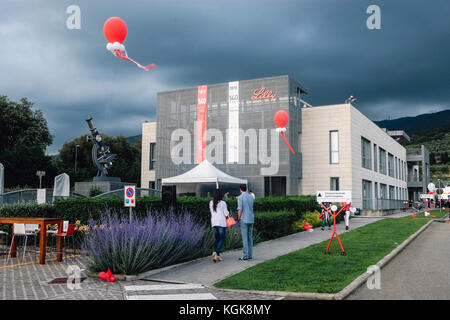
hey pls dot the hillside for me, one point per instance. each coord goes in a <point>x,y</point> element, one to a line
<point>423,122</point>
<point>433,131</point>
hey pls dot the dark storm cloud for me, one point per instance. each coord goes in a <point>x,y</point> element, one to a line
<point>399,70</point>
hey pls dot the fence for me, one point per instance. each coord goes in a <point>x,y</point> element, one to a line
<point>140,192</point>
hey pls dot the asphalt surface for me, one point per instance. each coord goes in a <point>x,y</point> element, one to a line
<point>420,271</point>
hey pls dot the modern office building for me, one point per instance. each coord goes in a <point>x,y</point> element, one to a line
<point>232,125</point>
<point>344,150</point>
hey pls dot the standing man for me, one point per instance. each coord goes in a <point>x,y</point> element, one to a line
<point>246,218</point>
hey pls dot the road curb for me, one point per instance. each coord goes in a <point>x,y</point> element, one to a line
<point>355,284</point>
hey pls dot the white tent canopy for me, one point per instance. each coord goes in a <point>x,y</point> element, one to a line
<point>204,172</point>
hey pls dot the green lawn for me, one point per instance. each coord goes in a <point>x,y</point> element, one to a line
<point>310,270</point>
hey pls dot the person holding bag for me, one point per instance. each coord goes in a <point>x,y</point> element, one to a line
<point>219,215</point>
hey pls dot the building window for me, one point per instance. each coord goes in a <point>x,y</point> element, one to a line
<point>383,191</point>
<point>334,147</point>
<point>383,161</point>
<point>367,194</point>
<point>396,168</point>
<point>391,165</point>
<point>376,190</point>
<point>334,183</point>
<point>391,192</point>
<point>375,164</point>
<point>274,186</point>
<point>152,159</point>
<point>366,155</point>
<point>151,185</point>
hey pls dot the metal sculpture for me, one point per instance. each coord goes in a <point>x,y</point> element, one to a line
<point>101,155</point>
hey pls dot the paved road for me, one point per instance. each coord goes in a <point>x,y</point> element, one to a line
<point>205,272</point>
<point>420,271</point>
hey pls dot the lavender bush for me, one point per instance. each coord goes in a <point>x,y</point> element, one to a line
<point>142,244</point>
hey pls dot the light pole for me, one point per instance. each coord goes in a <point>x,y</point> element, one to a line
<point>76,155</point>
<point>40,174</point>
<point>439,196</point>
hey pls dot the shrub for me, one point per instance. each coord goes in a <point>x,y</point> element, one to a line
<point>271,225</point>
<point>25,210</point>
<point>94,191</point>
<point>141,244</point>
<point>311,217</point>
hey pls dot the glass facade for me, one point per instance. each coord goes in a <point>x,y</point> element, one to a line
<point>178,110</point>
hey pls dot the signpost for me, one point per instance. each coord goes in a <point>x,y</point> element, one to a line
<point>343,197</point>
<point>334,196</point>
<point>130,198</point>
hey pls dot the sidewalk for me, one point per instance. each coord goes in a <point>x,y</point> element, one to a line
<point>420,271</point>
<point>204,271</point>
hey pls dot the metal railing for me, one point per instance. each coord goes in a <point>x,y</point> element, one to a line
<point>27,196</point>
<point>140,192</point>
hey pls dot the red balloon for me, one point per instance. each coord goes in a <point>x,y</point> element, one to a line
<point>281,118</point>
<point>115,29</point>
<point>112,279</point>
<point>102,275</point>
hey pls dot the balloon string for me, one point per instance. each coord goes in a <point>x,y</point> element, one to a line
<point>287,142</point>
<point>125,57</point>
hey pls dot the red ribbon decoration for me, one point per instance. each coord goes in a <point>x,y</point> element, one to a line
<point>281,119</point>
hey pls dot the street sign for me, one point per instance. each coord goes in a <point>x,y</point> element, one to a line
<point>426,196</point>
<point>334,196</point>
<point>130,196</point>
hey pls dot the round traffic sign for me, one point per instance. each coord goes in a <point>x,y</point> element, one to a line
<point>130,192</point>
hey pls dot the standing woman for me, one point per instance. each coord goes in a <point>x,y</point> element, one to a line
<point>219,214</point>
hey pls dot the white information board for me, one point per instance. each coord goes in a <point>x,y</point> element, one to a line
<point>41,196</point>
<point>334,196</point>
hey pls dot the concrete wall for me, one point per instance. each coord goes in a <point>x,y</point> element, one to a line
<point>148,136</point>
<point>315,146</point>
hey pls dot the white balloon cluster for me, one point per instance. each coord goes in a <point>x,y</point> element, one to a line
<point>114,46</point>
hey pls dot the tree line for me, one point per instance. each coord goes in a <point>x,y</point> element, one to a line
<point>25,137</point>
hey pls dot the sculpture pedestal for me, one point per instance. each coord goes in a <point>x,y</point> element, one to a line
<point>105,185</point>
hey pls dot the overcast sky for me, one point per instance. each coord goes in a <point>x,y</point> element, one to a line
<point>400,70</point>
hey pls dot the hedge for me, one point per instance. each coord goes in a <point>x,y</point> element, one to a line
<point>274,215</point>
<point>83,208</point>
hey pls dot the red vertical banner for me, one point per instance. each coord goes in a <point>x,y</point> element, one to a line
<point>202,108</point>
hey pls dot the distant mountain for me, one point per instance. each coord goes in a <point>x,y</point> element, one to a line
<point>420,123</point>
<point>132,140</point>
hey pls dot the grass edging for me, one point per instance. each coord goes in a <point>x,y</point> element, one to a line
<point>355,284</point>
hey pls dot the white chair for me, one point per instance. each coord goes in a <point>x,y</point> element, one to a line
<point>20,231</point>
<point>54,232</point>
<point>33,230</point>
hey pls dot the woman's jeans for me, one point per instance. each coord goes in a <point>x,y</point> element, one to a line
<point>219,233</point>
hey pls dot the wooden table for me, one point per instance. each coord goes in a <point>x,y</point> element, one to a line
<point>42,222</point>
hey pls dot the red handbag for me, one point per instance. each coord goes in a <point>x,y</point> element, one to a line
<point>230,221</point>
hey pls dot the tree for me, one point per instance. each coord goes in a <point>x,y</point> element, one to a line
<point>444,157</point>
<point>432,158</point>
<point>127,164</point>
<point>23,140</point>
